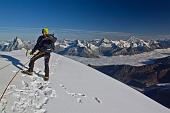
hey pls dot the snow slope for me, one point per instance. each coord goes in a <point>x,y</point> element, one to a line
<point>73,88</point>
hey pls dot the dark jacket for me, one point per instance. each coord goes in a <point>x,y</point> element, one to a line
<point>45,44</point>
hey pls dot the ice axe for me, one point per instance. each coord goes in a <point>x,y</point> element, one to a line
<point>27,54</point>
<point>30,56</point>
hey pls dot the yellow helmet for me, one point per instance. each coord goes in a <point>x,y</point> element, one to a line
<point>45,30</point>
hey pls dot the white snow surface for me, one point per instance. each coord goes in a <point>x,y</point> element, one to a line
<point>73,88</point>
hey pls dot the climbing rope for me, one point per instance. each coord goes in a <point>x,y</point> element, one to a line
<point>11,81</point>
<point>5,66</point>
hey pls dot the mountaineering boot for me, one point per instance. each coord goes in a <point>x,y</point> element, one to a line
<point>27,72</point>
<point>46,77</point>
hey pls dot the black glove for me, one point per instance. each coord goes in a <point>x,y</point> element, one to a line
<point>31,53</point>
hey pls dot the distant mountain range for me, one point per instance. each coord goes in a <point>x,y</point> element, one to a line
<point>94,48</point>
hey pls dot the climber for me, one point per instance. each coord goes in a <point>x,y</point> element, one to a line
<point>44,46</point>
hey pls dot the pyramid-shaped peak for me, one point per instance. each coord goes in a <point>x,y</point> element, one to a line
<point>105,40</point>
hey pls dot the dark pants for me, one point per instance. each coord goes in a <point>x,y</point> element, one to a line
<point>46,61</point>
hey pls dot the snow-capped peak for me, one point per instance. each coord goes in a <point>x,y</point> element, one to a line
<point>78,43</point>
<point>132,39</point>
<point>18,41</point>
<point>121,44</point>
<point>136,42</point>
<point>91,46</point>
<point>104,41</point>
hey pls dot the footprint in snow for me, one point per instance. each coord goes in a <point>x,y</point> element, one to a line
<point>79,100</point>
<point>61,85</point>
<point>98,100</point>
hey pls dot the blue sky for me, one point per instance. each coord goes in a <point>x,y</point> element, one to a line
<point>25,18</point>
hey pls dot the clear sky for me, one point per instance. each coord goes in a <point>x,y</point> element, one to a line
<point>27,17</point>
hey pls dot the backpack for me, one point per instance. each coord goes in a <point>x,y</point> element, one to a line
<point>47,44</point>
